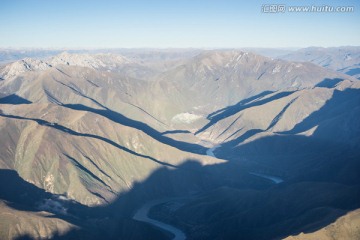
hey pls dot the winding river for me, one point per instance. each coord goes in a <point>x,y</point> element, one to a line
<point>210,151</point>
<point>276,180</point>
<point>142,215</point>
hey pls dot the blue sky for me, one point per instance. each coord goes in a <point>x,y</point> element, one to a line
<point>180,23</point>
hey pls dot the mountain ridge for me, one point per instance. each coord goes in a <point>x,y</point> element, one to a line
<point>201,128</point>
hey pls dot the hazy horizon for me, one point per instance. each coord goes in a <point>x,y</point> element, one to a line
<point>170,48</point>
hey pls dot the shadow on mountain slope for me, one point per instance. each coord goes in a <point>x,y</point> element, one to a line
<point>248,134</point>
<point>335,136</point>
<point>175,132</point>
<point>322,183</point>
<point>353,71</point>
<point>242,105</point>
<point>14,99</point>
<point>24,196</point>
<point>121,119</point>
<point>248,207</point>
<point>242,102</point>
<point>17,191</point>
<point>329,82</point>
<point>342,102</point>
<point>72,132</point>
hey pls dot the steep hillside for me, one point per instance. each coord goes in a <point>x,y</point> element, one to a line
<point>346,227</point>
<point>240,141</point>
<point>283,210</point>
<point>215,79</point>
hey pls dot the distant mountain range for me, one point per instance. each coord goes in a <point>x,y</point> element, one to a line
<point>88,137</point>
<point>342,59</point>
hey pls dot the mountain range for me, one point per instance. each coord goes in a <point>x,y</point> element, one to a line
<point>238,145</point>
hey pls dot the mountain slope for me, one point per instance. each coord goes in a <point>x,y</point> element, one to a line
<point>216,79</point>
<point>310,139</point>
<point>89,138</point>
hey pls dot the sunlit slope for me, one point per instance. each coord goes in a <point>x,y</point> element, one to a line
<point>81,154</point>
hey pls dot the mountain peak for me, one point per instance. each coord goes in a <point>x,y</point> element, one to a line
<point>22,66</point>
<point>83,60</point>
<point>228,58</point>
<point>94,61</point>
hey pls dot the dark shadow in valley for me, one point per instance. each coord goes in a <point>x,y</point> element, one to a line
<point>224,201</point>
<point>19,193</point>
<point>175,132</point>
<point>353,71</point>
<point>214,201</point>
<point>14,99</point>
<point>329,82</point>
